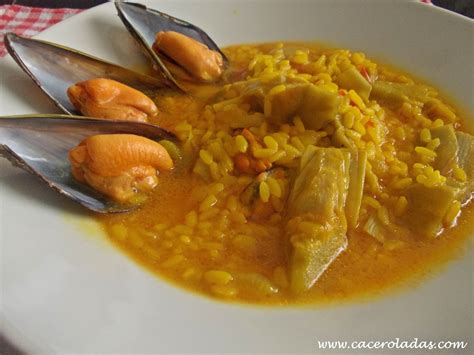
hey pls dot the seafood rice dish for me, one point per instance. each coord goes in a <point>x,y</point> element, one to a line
<point>289,172</point>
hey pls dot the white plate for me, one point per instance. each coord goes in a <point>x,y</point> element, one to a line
<point>64,290</point>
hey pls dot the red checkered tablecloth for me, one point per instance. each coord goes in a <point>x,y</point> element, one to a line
<point>28,21</point>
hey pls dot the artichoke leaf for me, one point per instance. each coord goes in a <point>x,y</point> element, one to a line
<point>317,226</point>
<point>394,94</point>
<point>357,168</point>
<point>446,153</point>
<point>351,78</point>
<point>427,207</point>
<point>465,160</point>
<point>466,153</point>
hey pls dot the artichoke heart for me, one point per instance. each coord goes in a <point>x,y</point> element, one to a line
<point>315,106</point>
<point>317,224</point>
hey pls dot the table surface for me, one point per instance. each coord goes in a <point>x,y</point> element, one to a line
<point>464,7</point>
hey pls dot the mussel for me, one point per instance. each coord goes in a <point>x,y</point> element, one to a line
<point>40,145</point>
<point>144,24</point>
<point>55,68</point>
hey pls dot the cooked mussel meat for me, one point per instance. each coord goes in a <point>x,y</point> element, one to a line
<point>110,99</point>
<point>119,165</point>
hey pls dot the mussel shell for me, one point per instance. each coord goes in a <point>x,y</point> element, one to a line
<point>40,144</point>
<point>54,68</point>
<point>144,23</point>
